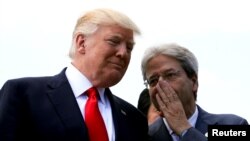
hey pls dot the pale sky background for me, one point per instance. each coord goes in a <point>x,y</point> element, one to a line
<point>35,36</point>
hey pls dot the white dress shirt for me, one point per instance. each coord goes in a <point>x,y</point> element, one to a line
<point>79,84</point>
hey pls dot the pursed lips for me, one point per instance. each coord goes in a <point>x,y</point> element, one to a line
<point>119,65</point>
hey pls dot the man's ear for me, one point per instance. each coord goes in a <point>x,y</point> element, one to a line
<point>80,43</point>
<point>195,82</point>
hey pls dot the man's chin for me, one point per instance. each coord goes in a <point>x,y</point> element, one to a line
<point>117,73</point>
<point>115,77</point>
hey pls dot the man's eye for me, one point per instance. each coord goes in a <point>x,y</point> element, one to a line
<point>113,42</point>
<point>130,46</point>
<point>153,81</point>
<point>171,75</point>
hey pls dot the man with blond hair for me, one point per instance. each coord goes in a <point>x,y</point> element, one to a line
<point>57,108</point>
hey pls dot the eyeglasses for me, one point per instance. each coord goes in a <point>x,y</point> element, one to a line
<point>169,76</point>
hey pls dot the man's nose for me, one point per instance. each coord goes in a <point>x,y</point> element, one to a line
<point>122,50</point>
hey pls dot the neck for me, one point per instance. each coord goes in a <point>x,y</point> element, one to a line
<point>189,110</point>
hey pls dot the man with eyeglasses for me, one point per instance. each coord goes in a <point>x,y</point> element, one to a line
<point>171,74</point>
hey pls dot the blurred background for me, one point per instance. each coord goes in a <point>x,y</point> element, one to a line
<point>35,36</point>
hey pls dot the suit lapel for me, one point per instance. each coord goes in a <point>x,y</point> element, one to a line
<point>119,116</point>
<point>204,119</point>
<point>163,132</point>
<point>65,104</point>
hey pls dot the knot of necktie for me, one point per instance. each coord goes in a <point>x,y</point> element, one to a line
<point>93,93</point>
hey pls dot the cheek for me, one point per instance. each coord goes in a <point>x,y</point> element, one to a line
<point>127,59</point>
<point>152,94</point>
<point>184,91</point>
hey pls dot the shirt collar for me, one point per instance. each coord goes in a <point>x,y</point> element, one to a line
<point>192,120</point>
<point>80,83</point>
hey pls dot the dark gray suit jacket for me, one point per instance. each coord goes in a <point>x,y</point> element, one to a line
<point>45,109</point>
<point>159,132</point>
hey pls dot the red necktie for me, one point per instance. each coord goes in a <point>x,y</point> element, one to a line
<point>93,118</point>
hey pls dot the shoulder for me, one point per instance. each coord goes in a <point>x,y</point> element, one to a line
<point>228,118</point>
<point>20,88</point>
<point>38,81</point>
<point>21,82</point>
<point>25,82</point>
<point>25,86</point>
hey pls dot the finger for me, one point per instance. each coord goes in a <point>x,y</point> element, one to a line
<point>164,92</point>
<point>168,90</point>
<point>162,105</point>
<point>175,97</point>
<point>163,96</point>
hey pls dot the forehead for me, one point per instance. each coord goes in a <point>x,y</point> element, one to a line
<point>161,63</point>
<point>116,31</point>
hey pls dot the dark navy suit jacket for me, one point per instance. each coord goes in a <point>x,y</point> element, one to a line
<point>45,108</point>
<point>159,132</point>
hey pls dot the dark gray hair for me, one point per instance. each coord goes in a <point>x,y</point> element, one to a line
<point>186,58</point>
